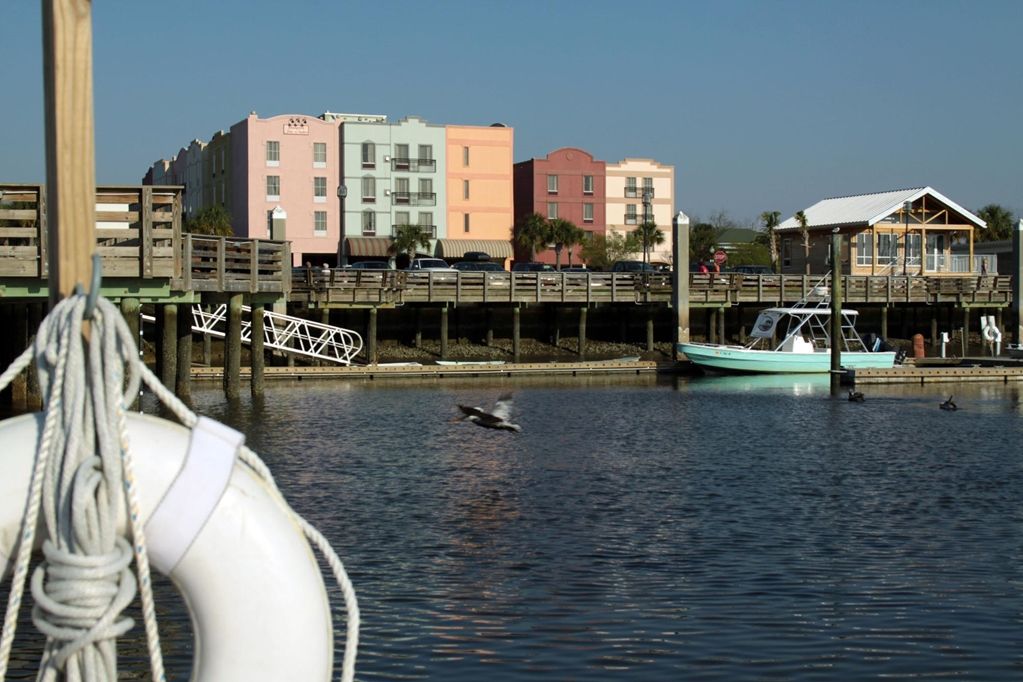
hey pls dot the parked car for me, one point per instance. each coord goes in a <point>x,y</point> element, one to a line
<point>532,267</point>
<point>472,266</point>
<point>369,265</point>
<point>632,266</point>
<point>429,265</point>
<point>477,256</point>
<point>753,269</point>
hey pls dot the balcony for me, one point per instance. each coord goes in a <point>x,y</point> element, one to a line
<point>413,165</point>
<point>637,192</point>
<point>414,198</point>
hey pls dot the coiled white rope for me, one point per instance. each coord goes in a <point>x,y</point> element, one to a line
<point>84,583</point>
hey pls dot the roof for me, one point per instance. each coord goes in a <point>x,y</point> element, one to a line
<point>868,209</point>
<point>456,248</point>
<point>369,246</point>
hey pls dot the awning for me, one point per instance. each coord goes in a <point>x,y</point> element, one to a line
<point>369,246</point>
<point>456,248</point>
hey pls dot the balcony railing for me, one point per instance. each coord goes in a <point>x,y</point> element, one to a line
<point>414,198</point>
<point>413,165</point>
<point>637,192</point>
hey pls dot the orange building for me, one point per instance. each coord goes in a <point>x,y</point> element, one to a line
<point>480,192</point>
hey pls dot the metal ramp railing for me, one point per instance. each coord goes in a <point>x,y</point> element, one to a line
<point>285,333</point>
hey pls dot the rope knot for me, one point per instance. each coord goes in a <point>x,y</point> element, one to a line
<point>79,598</point>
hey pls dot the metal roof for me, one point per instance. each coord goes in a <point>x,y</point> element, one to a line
<point>456,248</point>
<point>868,209</point>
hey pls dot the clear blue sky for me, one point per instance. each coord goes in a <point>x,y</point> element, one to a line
<point>766,105</point>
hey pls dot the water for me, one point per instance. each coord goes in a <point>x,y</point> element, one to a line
<point>711,529</point>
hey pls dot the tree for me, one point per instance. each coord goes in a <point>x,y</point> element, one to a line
<point>1000,223</point>
<point>703,239</point>
<point>805,230</point>
<point>648,235</point>
<point>769,219</point>
<point>407,239</point>
<point>601,250</point>
<point>533,233</point>
<point>563,233</point>
<point>212,220</point>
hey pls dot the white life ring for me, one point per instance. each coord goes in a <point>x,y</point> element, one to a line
<point>990,333</point>
<point>253,588</point>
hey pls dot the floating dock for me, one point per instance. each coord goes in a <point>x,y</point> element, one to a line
<point>406,370</point>
<point>940,370</point>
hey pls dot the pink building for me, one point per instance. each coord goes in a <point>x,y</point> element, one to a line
<point>284,182</point>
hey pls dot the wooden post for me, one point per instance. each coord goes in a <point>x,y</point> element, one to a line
<point>966,329</point>
<point>130,311</point>
<point>712,325</point>
<point>721,324</point>
<point>650,329</point>
<point>34,398</point>
<point>516,330</point>
<point>836,312</point>
<point>417,341</point>
<point>167,340</point>
<point>884,322</point>
<point>555,328</point>
<point>934,329</point>
<point>1016,332</point>
<point>233,348</point>
<point>256,347</point>
<point>489,337</point>
<point>444,333</point>
<point>70,144</point>
<point>680,280</point>
<point>371,334</point>
<point>184,361</point>
<point>18,342</point>
<point>582,332</point>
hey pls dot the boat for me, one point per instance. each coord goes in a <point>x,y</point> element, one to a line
<point>804,346</point>
<point>460,363</point>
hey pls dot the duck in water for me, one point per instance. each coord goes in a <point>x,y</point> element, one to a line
<point>948,405</point>
<point>856,397</point>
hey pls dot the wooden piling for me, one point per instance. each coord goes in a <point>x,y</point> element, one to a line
<point>18,341</point>
<point>516,331</point>
<point>233,348</point>
<point>183,384</point>
<point>131,312</point>
<point>884,322</point>
<point>582,331</point>
<point>489,337</point>
<point>371,334</point>
<point>256,350</point>
<point>649,329</point>
<point>444,333</point>
<point>167,342</point>
<point>721,325</point>
<point>680,280</point>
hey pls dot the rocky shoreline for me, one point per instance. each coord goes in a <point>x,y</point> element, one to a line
<point>530,350</point>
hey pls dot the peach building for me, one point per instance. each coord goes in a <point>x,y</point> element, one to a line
<point>630,183</point>
<point>286,167</point>
<point>479,191</point>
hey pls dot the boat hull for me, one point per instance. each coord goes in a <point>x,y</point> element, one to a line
<point>739,359</point>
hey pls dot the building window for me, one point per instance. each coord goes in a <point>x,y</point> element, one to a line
<point>864,249</point>
<point>401,160</point>
<point>401,218</point>
<point>273,153</point>
<point>465,189</point>
<point>630,214</point>
<point>648,184</point>
<point>369,190</point>
<point>587,184</point>
<point>369,223</point>
<point>887,248</point>
<point>369,155</point>
<point>786,252</point>
<point>465,156</point>
<point>425,152</point>
<point>552,184</point>
<point>913,244</point>
<point>319,154</point>
<point>465,222</point>
<point>630,187</point>
<point>552,210</point>
<point>401,192</point>
<point>425,219</point>
<point>587,213</point>
<point>320,223</point>
<point>320,190</point>
<point>273,188</point>
<point>425,188</point>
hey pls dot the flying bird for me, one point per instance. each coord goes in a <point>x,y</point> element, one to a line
<point>497,419</point>
<point>948,405</point>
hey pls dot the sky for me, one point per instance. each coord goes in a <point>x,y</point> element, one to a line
<point>768,105</point>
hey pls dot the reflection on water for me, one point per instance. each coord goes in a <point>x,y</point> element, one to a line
<point>720,528</point>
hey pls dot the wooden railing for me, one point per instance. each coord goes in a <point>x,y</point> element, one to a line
<point>235,265</point>
<point>339,287</point>
<point>138,230</point>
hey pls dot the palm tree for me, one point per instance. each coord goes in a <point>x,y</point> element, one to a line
<point>407,239</point>
<point>578,236</point>
<point>801,219</point>
<point>1000,222</point>
<point>648,235</point>
<point>533,233</point>
<point>562,233</point>
<point>770,221</point>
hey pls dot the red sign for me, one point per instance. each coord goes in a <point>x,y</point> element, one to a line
<point>720,257</point>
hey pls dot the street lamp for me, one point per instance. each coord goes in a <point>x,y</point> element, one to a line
<point>906,207</point>
<point>647,196</point>
<point>342,252</point>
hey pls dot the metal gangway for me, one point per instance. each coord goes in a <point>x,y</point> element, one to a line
<point>285,333</point>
